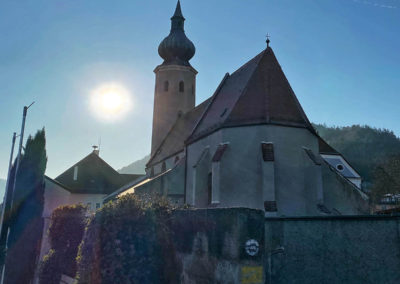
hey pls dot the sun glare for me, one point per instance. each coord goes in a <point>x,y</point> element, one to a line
<point>110,101</point>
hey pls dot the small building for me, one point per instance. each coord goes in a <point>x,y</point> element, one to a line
<point>87,182</point>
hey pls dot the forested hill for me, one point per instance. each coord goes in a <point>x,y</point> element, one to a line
<point>363,146</point>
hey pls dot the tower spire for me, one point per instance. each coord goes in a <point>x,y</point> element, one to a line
<point>176,48</point>
<point>178,11</point>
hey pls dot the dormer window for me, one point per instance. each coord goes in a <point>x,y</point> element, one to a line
<point>166,86</point>
<point>181,87</point>
<point>340,167</point>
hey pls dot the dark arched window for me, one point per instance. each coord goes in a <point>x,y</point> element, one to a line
<point>181,86</point>
<point>166,86</point>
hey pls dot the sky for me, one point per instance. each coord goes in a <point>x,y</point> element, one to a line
<point>341,57</point>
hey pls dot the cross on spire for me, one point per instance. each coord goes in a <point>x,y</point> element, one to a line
<point>268,41</point>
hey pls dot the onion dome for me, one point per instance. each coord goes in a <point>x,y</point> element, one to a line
<point>176,48</point>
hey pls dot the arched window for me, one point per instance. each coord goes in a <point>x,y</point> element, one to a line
<point>166,86</point>
<point>181,86</point>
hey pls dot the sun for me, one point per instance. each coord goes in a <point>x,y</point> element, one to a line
<point>110,101</point>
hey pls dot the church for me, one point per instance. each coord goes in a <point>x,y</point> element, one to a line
<point>248,145</point>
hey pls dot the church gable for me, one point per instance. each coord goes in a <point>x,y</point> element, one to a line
<point>268,98</point>
<point>258,92</point>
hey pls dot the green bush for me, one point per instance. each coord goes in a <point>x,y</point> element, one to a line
<point>129,241</point>
<point>65,234</point>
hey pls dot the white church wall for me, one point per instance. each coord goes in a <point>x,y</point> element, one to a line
<point>196,189</point>
<point>241,167</point>
<point>341,194</point>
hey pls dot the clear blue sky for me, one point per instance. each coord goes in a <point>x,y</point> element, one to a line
<point>341,57</point>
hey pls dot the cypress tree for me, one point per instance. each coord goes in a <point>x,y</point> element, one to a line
<point>25,219</point>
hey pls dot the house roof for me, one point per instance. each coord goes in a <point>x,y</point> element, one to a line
<point>174,142</point>
<point>257,93</point>
<point>94,176</point>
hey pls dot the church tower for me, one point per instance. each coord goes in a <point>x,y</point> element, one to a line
<point>175,89</point>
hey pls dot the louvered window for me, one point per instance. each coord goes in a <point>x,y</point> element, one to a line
<point>267,151</point>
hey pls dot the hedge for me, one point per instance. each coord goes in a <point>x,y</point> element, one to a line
<point>129,241</point>
<point>65,234</point>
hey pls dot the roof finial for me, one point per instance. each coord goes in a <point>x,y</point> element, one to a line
<point>178,10</point>
<point>268,41</point>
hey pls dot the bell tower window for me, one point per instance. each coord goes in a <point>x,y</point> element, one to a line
<point>166,86</point>
<point>181,87</point>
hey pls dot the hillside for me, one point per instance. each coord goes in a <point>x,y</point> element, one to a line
<point>136,167</point>
<point>363,146</point>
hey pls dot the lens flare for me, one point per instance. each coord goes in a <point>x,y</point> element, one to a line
<point>110,101</point>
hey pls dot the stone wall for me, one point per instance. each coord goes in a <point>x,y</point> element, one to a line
<point>211,248</point>
<point>343,249</point>
<point>220,245</point>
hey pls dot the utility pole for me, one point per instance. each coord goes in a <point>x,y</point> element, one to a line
<point>8,182</point>
<point>21,140</point>
<point>2,226</point>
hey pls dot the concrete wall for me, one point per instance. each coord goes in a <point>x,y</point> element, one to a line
<point>342,195</point>
<point>170,184</point>
<point>352,249</point>
<point>297,180</point>
<point>211,245</point>
<point>211,248</point>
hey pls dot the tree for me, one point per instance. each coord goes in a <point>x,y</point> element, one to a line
<point>386,178</point>
<point>65,234</point>
<point>25,219</point>
<point>364,147</point>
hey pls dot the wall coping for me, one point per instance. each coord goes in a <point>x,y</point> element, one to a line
<point>337,217</point>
